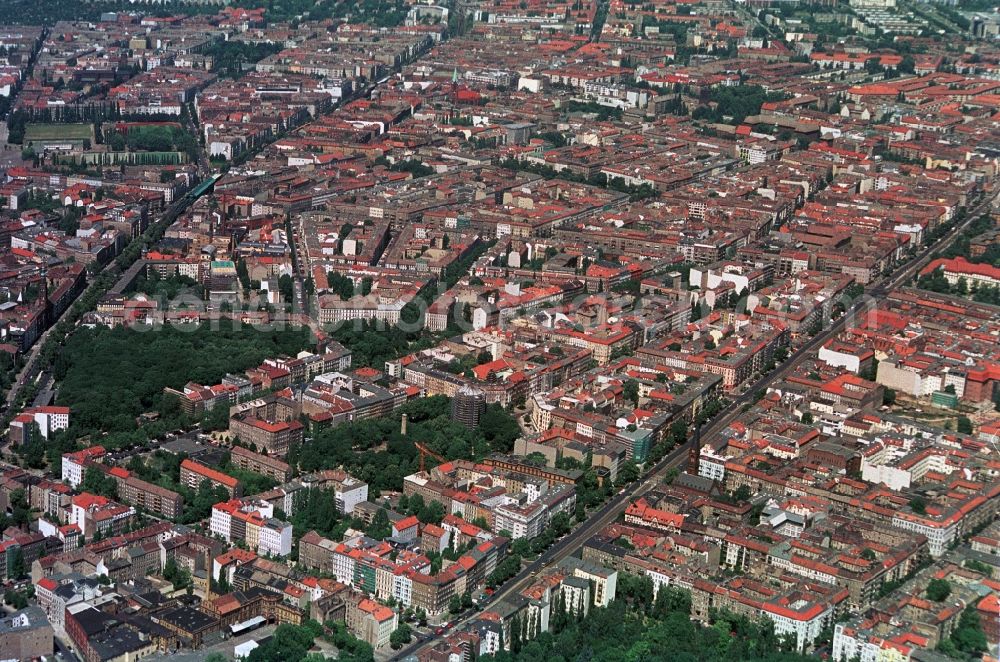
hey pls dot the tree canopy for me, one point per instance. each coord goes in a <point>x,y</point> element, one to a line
<point>231,55</point>
<point>290,643</point>
<point>110,376</point>
<point>97,482</point>
<point>967,639</point>
<point>375,451</point>
<point>638,627</point>
<point>722,103</point>
<point>938,590</point>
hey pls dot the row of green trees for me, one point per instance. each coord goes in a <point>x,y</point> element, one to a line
<point>121,158</point>
<point>935,281</point>
<point>28,12</point>
<point>962,246</point>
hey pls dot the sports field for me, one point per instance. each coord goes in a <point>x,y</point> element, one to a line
<point>58,132</point>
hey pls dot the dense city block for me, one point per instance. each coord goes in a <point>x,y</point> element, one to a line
<point>506,331</point>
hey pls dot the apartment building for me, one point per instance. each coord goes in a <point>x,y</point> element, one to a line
<point>98,516</point>
<point>523,520</point>
<point>46,420</point>
<point>254,524</point>
<point>272,436</point>
<point>193,473</point>
<point>151,497</point>
<point>317,552</point>
<point>370,621</point>
<point>74,464</point>
<point>247,460</point>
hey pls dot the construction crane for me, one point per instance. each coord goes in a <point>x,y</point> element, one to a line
<point>424,451</point>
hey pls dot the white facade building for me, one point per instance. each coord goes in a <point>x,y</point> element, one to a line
<point>800,620</point>
<point>523,521</point>
<point>275,538</point>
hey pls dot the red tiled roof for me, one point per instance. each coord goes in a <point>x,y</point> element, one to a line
<point>209,473</point>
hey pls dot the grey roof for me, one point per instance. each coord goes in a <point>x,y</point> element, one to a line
<point>93,621</point>
<point>188,619</point>
<point>116,642</point>
<point>26,619</point>
<point>693,482</point>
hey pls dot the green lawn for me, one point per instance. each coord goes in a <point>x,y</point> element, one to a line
<point>58,131</point>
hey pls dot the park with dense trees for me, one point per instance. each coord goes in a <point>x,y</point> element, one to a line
<point>739,102</point>
<point>292,643</point>
<point>373,344</point>
<point>231,56</point>
<point>315,509</point>
<point>110,376</point>
<point>375,451</point>
<point>637,626</point>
